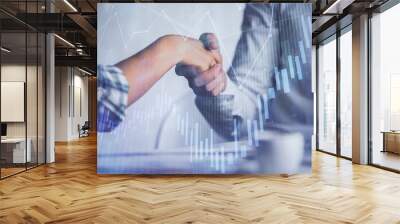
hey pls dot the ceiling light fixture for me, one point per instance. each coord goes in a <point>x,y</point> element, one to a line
<point>64,40</point>
<point>84,71</point>
<point>79,51</point>
<point>5,50</point>
<point>337,7</point>
<point>70,5</point>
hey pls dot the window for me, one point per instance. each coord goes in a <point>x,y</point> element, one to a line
<point>346,93</point>
<point>385,89</point>
<point>327,96</point>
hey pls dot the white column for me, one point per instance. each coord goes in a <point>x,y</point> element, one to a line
<point>50,92</point>
<point>360,90</point>
<point>50,99</point>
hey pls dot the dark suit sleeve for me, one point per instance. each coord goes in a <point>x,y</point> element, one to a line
<point>248,74</point>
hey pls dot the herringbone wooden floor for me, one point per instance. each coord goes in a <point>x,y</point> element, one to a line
<point>70,191</point>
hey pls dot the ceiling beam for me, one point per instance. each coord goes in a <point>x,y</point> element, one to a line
<point>81,61</point>
<point>320,22</point>
<point>84,24</point>
<point>337,6</point>
<point>49,22</point>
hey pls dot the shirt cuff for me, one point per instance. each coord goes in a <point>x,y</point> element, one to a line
<point>112,91</point>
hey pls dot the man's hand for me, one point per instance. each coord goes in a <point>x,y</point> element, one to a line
<point>210,82</point>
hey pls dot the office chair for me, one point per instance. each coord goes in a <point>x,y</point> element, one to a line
<point>84,130</point>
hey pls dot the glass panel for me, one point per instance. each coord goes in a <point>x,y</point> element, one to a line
<point>13,86</point>
<point>32,88</point>
<point>31,98</point>
<point>385,89</point>
<point>327,97</point>
<point>23,90</point>
<point>346,94</point>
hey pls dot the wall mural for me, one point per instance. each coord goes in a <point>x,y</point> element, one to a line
<point>221,88</point>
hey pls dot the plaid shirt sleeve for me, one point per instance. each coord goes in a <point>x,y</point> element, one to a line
<point>112,97</point>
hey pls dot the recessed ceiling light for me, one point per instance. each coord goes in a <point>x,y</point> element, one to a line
<point>70,5</point>
<point>338,6</point>
<point>5,50</point>
<point>84,71</point>
<point>65,41</point>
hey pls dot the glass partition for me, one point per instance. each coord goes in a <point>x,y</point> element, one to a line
<point>32,96</point>
<point>327,96</point>
<point>41,97</point>
<point>22,88</point>
<point>14,153</point>
<point>31,86</point>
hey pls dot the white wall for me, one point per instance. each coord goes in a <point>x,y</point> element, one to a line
<point>79,117</point>
<point>70,84</point>
<point>61,103</point>
<point>16,73</point>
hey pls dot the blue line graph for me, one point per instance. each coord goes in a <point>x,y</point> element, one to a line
<point>302,52</point>
<point>277,79</point>
<point>291,67</point>
<point>298,68</point>
<point>249,133</point>
<point>285,78</point>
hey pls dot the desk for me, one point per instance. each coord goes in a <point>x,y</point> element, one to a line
<point>15,148</point>
<point>391,141</point>
<point>274,153</point>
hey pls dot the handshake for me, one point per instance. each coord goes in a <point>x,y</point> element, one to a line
<point>198,60</point>
<point>122,84</point>
<point>202,66</point>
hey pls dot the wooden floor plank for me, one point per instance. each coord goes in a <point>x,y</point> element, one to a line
<point>70,191</point>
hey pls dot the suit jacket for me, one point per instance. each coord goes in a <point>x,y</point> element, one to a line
<point>270,76</point>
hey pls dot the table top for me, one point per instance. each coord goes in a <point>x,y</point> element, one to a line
<point>13,140</point>
<point>275,153</point>
<point>391,132</point>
